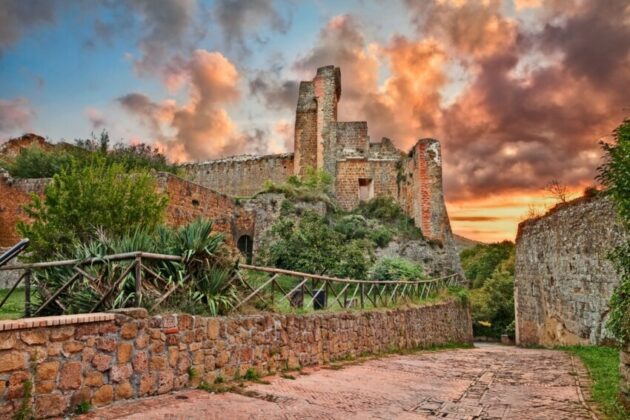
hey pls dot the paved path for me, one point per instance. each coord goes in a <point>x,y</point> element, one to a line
<point>488,382</point>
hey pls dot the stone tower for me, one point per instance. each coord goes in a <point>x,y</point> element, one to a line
<point>315,121</point>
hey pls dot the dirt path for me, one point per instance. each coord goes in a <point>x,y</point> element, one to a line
<point>488,382</point>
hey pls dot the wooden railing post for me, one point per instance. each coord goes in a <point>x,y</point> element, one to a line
<point>361,296</point>
<point>27,294</point>
<point>138,281</point>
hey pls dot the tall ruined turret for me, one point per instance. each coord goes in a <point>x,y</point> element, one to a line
<point>315,120</point>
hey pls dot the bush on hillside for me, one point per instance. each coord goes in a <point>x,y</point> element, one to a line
<point>392,269</point>
<point>82,200</point>
<point>492,305</point>
<point>482,260</point>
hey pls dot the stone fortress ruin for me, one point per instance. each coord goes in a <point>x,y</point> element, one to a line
<point>225,190</point>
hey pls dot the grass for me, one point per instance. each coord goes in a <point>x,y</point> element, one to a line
<point>14,307</point>
<point>603,366</point>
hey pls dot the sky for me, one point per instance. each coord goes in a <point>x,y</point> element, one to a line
<point>519,92</point>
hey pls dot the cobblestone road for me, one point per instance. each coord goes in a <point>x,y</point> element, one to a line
<point>488,382</point>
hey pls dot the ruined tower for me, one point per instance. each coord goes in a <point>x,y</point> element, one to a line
<point>315,120</point>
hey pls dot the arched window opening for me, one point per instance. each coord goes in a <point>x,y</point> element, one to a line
<point>245,244</point>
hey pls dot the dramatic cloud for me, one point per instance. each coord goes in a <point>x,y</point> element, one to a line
<point>275,93</point>
<point>201,128</point>
<point>15,116</point>
<point>237,18</point>
<point>19,16</point>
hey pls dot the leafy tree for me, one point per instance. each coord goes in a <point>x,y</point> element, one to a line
<point>480,261</point>
<point>34,162</point>
<point>82,200</point>
<point>492,305</point>
<point>310,245</point>
<point>615,176</point>
<point>396,269</point>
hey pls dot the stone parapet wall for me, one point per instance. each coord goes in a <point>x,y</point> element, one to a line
<point>101,358</point>
<point>563,278</point>
<point>241,176</point>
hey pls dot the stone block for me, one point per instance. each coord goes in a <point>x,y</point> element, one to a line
<point>124,391</point>
<point>158,363</point>
<point>61,334</point>
<point>70,376</point>
<point>165,382</point>
<point>120,373</point>
<point>124,352</point>
<point>44,387</point>
<point>71,347</point>
<point>12,360</point>
<point>103,396</point>
<point>50,405</point>
<point>173,354</point>
<point>93,378</point>
<point>106,344</point>
<point>48,370</point>
<point>34,336</point>
<point>214,327</point>
<point>7,340</point>
<point>147,385</point>
<point>129,330</point>
<point>137,313</point>
<point>102,362</point>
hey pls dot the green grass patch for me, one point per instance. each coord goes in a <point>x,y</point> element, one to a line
<point>603,366</point>
<point>14,307</point>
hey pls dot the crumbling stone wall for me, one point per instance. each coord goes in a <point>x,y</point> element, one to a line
<point>101,358</point>
<point>241,176</point>
<point>189,201</point>
<point>563,278</point>
<point>14,195</point>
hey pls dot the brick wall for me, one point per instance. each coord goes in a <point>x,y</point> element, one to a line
<point>14,195</point>
<point>188,201</point>
<point>349,171</point>
<point>352,135</point>
<point>305,136</point>
<point>241,175</point>
<point>101,358</point>
<point>563,279</point>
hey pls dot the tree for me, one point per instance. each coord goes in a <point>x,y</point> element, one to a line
<point>557,191</point>
<point>83,199</point>
<point>614,174</point>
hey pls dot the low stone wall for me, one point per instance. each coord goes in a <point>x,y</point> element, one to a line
<point>624,370</point>
<point>53,364</point>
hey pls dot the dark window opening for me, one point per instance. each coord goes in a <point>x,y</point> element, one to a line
<point>245,244</point>
<point>195,203</point>
<point>366,189</point>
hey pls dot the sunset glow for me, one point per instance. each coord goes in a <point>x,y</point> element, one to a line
<point>519,92</point>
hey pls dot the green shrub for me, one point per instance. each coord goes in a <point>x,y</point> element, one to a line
<point>396,269</point>
<point>492,305</point>
<point>81,201</point>
<point>381,236</point>
<point>310,245</point>
<point>313,186</point>
<point>388,212</point>
<point>352,226</point>
<point>202,278</point>
<point>482,260</point>
<point>34,162</point>
<point>615,176</point>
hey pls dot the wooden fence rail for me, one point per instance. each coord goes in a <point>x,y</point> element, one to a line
<point>267,287</point>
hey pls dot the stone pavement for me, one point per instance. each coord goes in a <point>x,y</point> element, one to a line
<point>487,382</point>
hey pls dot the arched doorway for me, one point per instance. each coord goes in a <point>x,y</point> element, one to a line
<point>245,244</point>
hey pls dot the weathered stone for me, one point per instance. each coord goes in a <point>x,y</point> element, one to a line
<point>103,396</point>
<point>165,382</point>
<point>34,336</point>
<point>137,313</point>
<point>71,347</point>
<point>142,341</point>
<point>70,375</point>
<point>213,329</point>
<point>140,362</point>
<point>12,360</point>
<point>173,354</point>
<point>222,359</point>
<point>101,361</point>
<point>129,330</point>
<point>158,363</point>
<point>47,370</point>
<point>81,396</point>
<point>7,340</point>
<point>61,334</point>
<point>106,344</point>
<point>124,352</point>
<point>93,378</point>
<point>120,373</point>
<point>50,405</point>
<point>124,391</point>
<point>148,385</point>
<point>44,387</point>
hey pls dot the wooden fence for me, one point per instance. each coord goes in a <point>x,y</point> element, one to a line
<point>259,286</point>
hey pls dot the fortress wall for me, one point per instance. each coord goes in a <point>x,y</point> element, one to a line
<point>241,175</point>
<point>349,171</point>
<point>352,135</point>
<point>563,279</point>
<point>14,195</point>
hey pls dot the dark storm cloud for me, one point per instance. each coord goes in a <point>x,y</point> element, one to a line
<point>276,94</point>
<point>20,16</point>
<point>240,18</point>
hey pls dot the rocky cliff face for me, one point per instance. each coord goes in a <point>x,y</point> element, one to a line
<point>563,278</point>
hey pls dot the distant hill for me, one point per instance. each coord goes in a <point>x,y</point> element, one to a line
<point>463,243</point>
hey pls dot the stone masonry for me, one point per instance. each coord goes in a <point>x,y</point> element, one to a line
<point>563,279</point>
<point>360,169</point>
<point>101,358</point>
